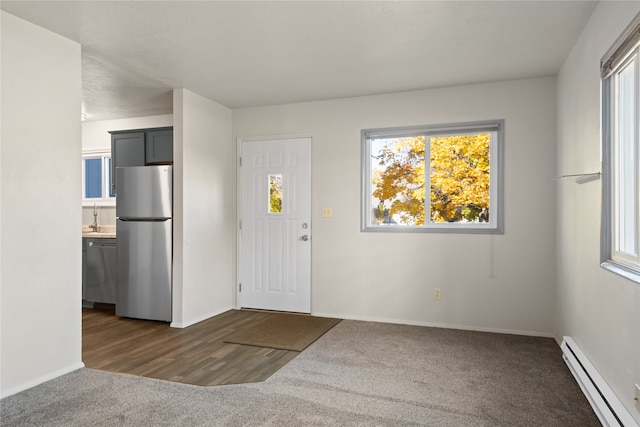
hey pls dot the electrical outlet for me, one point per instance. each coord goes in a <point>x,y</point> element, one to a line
<point>437,294</point>
<point>637,399</point>
<point>327,212</point>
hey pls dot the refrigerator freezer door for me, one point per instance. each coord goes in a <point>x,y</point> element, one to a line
<point>144,269</point>
<point>144,192</point>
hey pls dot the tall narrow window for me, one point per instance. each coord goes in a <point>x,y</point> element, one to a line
<point>621,159</point>
<point>275,193</point>
<point>626,161</point>
<point>433,178</point>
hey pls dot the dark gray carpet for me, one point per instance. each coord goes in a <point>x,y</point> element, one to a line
<point>357,374</point>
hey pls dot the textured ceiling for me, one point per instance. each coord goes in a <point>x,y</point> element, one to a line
<point>243,54</point>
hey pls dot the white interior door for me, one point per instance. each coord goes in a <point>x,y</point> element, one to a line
<point>276,225</point>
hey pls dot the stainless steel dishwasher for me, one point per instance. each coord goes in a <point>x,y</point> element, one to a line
<point>101,271</point>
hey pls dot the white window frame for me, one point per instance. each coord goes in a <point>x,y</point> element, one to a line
<point>624,52</point>
<point>496,181</point>
<point>105,200</point>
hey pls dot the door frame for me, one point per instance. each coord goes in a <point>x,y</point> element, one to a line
<point>239,141</point>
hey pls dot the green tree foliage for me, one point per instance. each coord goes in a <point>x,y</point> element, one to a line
<point>459,179</point>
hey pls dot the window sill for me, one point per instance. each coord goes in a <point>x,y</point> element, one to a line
<point>621,270</point>
<point>450,229</point>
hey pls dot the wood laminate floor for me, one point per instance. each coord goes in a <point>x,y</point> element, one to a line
<point>194,355</point>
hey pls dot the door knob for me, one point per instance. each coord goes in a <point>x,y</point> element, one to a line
<point>304,238</point>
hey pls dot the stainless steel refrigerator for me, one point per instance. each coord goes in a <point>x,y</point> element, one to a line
<point>144,230</point>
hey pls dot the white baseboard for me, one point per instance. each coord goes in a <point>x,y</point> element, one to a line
<point>438,325</point>
<point>43,379</point>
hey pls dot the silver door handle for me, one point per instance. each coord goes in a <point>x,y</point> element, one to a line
<point>304,238</point>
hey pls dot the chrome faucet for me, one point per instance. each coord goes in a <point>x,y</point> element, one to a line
<point>94,226</point>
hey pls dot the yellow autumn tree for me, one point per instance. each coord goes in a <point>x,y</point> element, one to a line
<point>458,175</point>
<point>275,193</point>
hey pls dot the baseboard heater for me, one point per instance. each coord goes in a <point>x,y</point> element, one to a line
<point>605,403</point>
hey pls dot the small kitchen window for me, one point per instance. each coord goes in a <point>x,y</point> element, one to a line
<point>96,178</point>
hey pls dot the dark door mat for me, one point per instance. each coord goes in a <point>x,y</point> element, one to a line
<point>283,331</point>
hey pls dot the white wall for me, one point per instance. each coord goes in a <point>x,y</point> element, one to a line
<point>600,310</point>
<point>40,248</point>
<point>95,136</point>
<point>489,282</point>
<point>204,209</point>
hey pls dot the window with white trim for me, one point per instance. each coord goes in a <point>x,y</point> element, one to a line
<point>620,71</point>
<point>96,178</point>
<point>433,178</point>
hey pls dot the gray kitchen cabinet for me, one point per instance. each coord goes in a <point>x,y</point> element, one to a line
<point>159,147</point>
<point>127,149</point>
<point>100,270</point>
<point>140,147</point>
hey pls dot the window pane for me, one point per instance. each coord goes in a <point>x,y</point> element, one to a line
<point>459,178</point>
<point>397,181</point>
<point>93,178</point>
<point>625,179</point>
<point>275,193</point>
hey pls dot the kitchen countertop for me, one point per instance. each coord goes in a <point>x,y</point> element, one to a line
<point>104,232</point>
